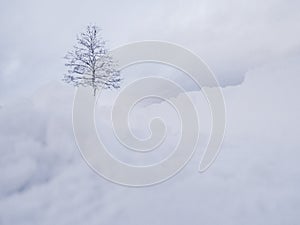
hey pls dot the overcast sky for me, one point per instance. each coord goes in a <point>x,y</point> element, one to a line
<point>253,47</point>
<point>231,36</point>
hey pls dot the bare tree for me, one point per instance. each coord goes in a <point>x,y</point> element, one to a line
<point>90,64</point>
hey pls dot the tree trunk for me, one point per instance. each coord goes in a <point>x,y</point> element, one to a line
<point>93,80</point>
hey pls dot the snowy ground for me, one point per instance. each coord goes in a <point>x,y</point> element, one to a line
<point>255,179</point>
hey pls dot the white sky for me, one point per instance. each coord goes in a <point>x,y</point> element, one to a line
<point>231,36</point>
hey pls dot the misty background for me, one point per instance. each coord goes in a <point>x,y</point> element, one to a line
<point>252,47</point>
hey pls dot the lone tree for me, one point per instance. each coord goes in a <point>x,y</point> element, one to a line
<point>90,64</point>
